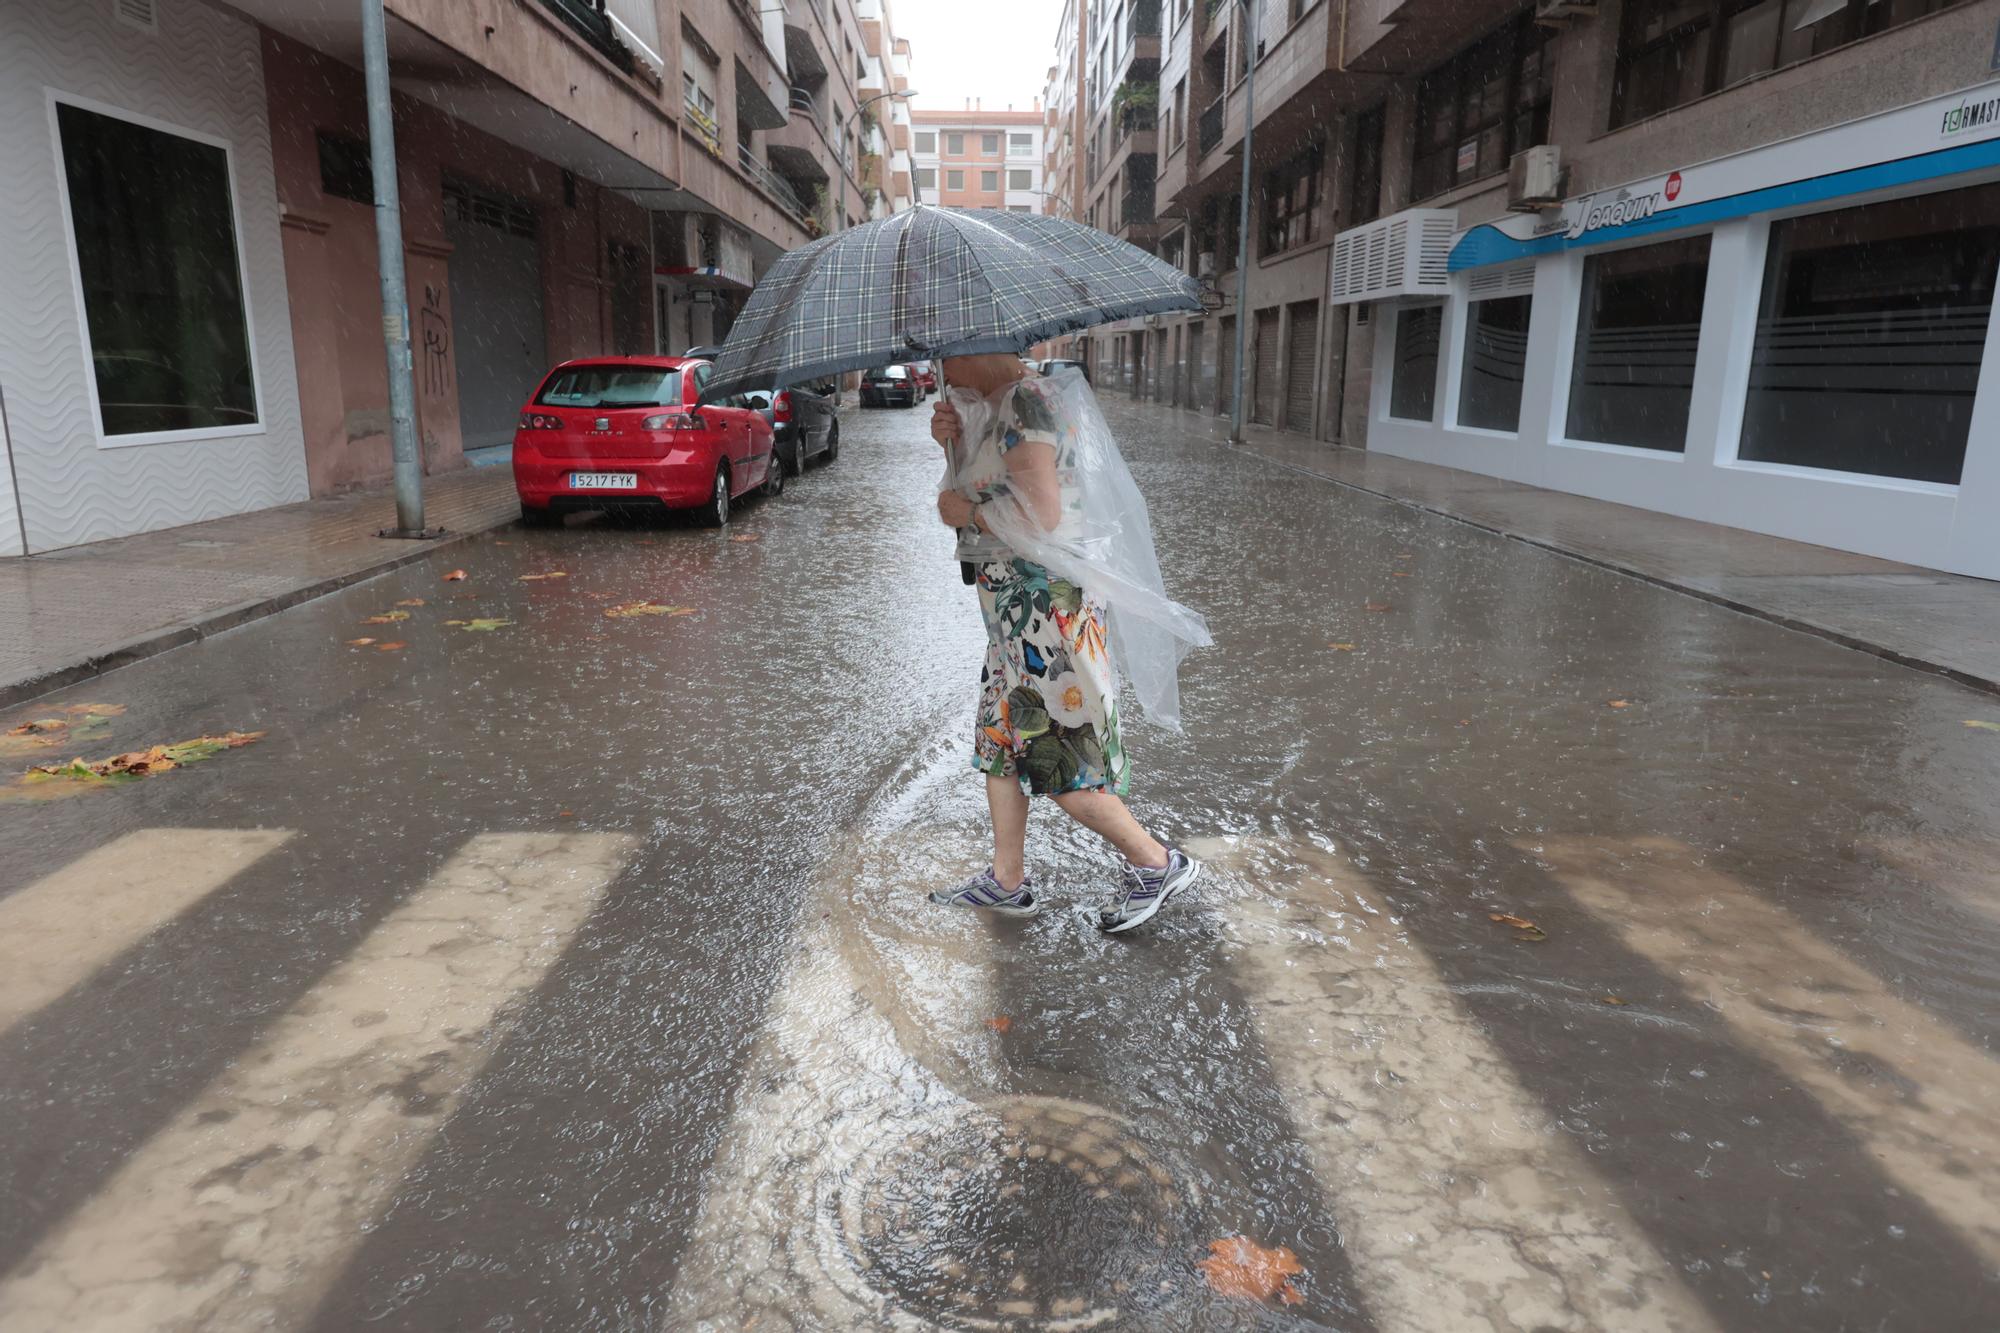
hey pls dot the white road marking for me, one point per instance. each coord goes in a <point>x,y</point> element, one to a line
<point>1461,1205</point>
<point>62,928</point>
<point>1924,1101</point>
<point>239,1212</point>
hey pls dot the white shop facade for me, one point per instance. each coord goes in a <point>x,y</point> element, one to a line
<point>1798,340</point>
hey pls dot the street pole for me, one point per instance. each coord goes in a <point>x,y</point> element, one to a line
<point>1243,221</point>
<point>389,260</point>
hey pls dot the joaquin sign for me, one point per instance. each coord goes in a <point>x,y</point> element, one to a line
<point>1942,137</point>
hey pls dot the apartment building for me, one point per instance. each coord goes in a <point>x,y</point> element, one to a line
<point>576,177</point>
<point>979,159</point>
<point>1062,116</point>
<point>1729,259</point>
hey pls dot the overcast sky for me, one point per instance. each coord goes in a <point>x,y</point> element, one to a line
<point>995,50</point>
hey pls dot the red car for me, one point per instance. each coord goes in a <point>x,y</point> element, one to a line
<point>624,432</point>
<point>926,375</point>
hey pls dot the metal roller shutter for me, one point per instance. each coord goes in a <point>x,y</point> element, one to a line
<point>1264,398</point>
<point>1301,366</point>
<point>1225,366</point>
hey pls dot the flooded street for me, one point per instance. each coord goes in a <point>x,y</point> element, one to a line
<point>1574,954</point>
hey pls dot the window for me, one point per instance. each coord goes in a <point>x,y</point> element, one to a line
<point>1673,51</point>
<point>345,171</point>
<point>954,144</point>
<point>1020,208</point>
<point>1637,329</point>
<point>926,141</point>
<point>954,180</point>
<point>1481,107</point>
<point>1291,202</point>
<point>927,178</point>
<point>1020,145</point>
<point>1496,360</point>
<point>1413,377</point>
<point>989,181</point>
<point>1364,185</point>
<point>989,144</point>
<point>153,221</point>
<point>612,386</point>
<point>1020,180</point>
<point>1870,335</point>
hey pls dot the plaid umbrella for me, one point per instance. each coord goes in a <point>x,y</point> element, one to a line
<point>937,282</point>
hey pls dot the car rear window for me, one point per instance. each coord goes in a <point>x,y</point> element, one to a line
<point>612,386</point>
<point>889,373</point>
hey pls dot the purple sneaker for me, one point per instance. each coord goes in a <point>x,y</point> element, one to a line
<point>984,891</point>
<point>1146,891</point>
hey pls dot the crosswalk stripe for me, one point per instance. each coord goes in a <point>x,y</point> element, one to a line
<point>65,926</point>
<point>239,1212</point>
<point>1925,1101</point>
<point>1459,1204</point>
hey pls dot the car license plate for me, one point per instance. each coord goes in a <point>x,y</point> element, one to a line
<point>604,481</point>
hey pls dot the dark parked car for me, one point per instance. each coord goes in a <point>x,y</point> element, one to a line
<point>1054,364</point>
<point>805,418</point>
<point>890,386</point>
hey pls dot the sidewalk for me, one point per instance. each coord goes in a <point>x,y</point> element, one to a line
<point>75,613</point>
<point>1917,617</point>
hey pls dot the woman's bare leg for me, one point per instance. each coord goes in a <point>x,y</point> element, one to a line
<point>1106,816</point>
<point>1009,807</point>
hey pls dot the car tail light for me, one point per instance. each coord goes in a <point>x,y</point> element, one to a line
<point>672,421</point>
<point>540,421</point>
<point>781,407</point>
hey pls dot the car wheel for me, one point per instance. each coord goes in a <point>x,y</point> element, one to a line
<point>717,513</point>
<point>774,478</point>
<point>794,459</point>
<point>833,443</point>
<point>539,516</point>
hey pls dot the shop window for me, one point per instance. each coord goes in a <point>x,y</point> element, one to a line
<point>1481,107</point>
<point>1413,378</point>
<point>1496,363</point>
<point>1364,184</point>
<point>1637,331</point>
<point>1020,180</point>
<point>154,226</point>
<point>1291,202</point>
<point>1673,51</point>
<point>1870,335</point>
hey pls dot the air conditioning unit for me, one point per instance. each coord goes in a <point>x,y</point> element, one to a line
<point>1404,254</point>
<point>1534,179</point>
<point>1558,13</point>
<point>1204,264</point>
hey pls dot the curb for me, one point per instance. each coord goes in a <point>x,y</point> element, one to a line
<point>155,642</point>
<point>1972,680</point>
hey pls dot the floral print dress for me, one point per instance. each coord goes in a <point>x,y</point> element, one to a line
<point>1048,706</point>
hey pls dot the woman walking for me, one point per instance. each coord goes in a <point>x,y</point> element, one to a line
<point>1056,537</point>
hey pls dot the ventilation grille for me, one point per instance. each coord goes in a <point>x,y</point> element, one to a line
<point>1502,280</point>
<point>1405,254</point>
<point>468,205</point>
<point>140,14</point>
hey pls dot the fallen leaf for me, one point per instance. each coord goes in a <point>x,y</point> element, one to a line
<point>1611,999</point>
<point>552,574</point>
<point>411,601</point>
<point>744,537</point>
<point>1400,574</point>
<point>132,765</point>
<point>632,610</point>
<point>1465,722</point>
<point>483,624</point>
<point>359,643</point>
<point>387,618</point>
<point>456,576</point>
<point>1617,703</point>
<point>92,710</point>
<point>1239,1266</point>
<point>680,610</point>
<point>565,814</point>
<point>1509,919</point>
<point>1000,1023</point>
<point>498,543</point>
<point>39,726</point>
<point>1341,647</point>
<point>1982,725</point>
<point>393,646</point>
<point>1378,606</point>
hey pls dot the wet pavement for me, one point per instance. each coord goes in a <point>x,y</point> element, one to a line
<point>575,973</point>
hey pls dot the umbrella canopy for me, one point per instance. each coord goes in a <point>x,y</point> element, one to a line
<point>937,282</point>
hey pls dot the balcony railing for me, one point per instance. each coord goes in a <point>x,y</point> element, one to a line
<point>1145,20</point>
<point>587,19</point>
<point>773,184</point>
<point>704,124</point>
<point>1209,133</point>
<point>803,103</point>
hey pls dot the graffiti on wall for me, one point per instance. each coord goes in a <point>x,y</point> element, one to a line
<point>435,332</point>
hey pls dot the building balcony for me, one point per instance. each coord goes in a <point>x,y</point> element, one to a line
<point>1208,130</point>
<point>589,21</point>
<point>770,182</point>
<point>702,125</point>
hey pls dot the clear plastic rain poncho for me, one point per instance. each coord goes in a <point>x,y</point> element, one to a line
<point>1103,541</point>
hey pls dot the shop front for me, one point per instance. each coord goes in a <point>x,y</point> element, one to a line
<point>1797,340</point>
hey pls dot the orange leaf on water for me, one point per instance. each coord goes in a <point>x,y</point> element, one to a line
<point>1400,574</point>
<point>456,576</point>
<point>744,537</point>
<point>1617,703</point>
<point>386,618</point>
<point>395,646</point>
<point>359,643</point>
<point>1341,647</point>
<point>1239,1266</point>
<point>1509,919</point>
<point>538,578</point>
<point>1000,1023</point>
<point>1378,606</point>
<point>411,601</point>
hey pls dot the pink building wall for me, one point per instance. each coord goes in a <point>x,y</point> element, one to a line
<point>331,273</point>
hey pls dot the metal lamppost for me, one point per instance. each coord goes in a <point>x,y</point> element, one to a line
<point>879,97</point>
<point>1243,221</point>
<point>395,290</point>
